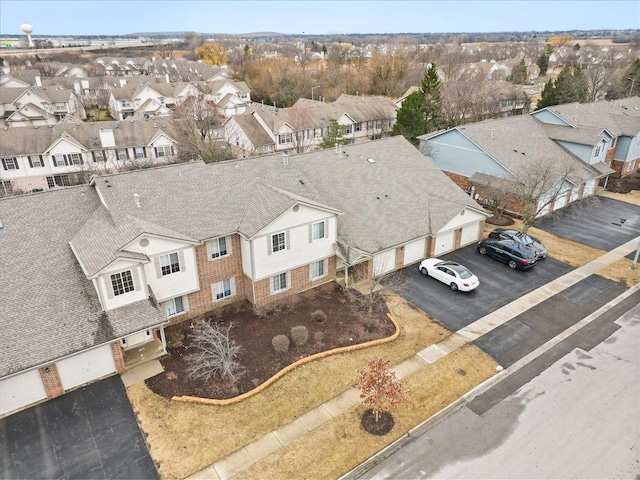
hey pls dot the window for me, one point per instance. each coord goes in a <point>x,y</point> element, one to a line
<point>75,159</point>
<point>169,263</point>
<point>317,230</point>
<point>598,151</point>
<point>59,160</point>
<point>318,269</point>
<point>223,289</point>
<point>122,283</point>
<point>348,128</point>
<point>6,188</point>
<point>60,106</point>
<point>123,154</point>
<point>163,151</point>
<point>174,306</point>
<point>278,242</point>
<point>139,152</point>
<point>279,282</point>
<point>58,181</point>
<point>218,247</point>
<point>36,161</point>
<point>126,104</point>
<point>99,156</point>
<point>284,138</point>
<point>358,127</point>
<point>10,163</point>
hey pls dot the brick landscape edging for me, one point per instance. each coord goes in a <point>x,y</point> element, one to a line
<point>302,361</point>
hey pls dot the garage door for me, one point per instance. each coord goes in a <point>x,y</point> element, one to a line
<point>470,234</point>
<point>20,391</point>
<point>86,367</point>
<point>414,252</point>
<point>444,242</point>
<point>560,202</point>
<point>384,262</point>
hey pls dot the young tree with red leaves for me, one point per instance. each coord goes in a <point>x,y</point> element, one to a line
<point>379,387</point>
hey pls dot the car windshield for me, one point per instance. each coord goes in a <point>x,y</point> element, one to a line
<point>524,238</point>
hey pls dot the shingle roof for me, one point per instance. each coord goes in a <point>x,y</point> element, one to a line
<point>384,202</point>
<point>49,309</point>
<point>617,116</point>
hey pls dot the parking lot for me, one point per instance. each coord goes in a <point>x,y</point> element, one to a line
<point>499,285</point>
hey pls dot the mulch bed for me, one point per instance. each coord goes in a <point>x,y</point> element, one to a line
<point>343,326</point>
<point>618,184</point>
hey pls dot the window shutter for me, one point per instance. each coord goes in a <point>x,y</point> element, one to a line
<point>15,161</point>
<point>310,271</point>
<point>30,162</point>
<point>185,303</point>
<point>270,245</point>
<point>183,265</point>
<point>310,232</point>
<point>156,262</point>
<point>325,226</point>
<point>4,164</point>
<point>271,286</point>
<point>288,242</point>
<point>232,282</point>
<point>209,252</point>
<point>228,241</point>
<point>109,286</point>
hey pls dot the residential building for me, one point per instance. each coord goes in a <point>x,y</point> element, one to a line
<point>141,250</point>
<point>37,106</point>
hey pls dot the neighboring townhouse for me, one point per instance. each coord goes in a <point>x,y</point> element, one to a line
<point>302,127</point>
<point>38,106</point>
<point>142,250</point>
<point>607,131</point>
<point>231,98</point>
<point>41,158</point>
<point>497,155</point>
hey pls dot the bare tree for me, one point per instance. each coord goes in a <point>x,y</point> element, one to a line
<point>167,50</point>
<point>216,353</point>
<point>199,129</point>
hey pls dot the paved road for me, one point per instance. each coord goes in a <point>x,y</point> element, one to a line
<point>578,418</point>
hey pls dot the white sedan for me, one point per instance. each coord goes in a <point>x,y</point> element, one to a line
<point>451,273</point>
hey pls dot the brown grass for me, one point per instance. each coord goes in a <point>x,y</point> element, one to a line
<point>633,197</point>
<point>345,442</point>
<point>184,438</point>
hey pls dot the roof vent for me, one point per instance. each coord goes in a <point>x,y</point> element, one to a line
<point>493,134</point>
<point>371,160</point>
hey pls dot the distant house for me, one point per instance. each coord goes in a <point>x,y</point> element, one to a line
<point>42,158</point>
<point>139,251</point>
<point>38,106</point>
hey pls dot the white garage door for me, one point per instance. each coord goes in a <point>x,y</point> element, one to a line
<point>384,262</point>
<point>444,242</point>
<point>414,251</point>
<point>470,234</point>
<point>21,390</point>
<point>86,367</point>
<point>560,202</point>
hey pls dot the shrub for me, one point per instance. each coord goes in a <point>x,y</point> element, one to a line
<point>318,316</point>
<point>299,334</point>
<point>318,337</point>
<point>280,343</point>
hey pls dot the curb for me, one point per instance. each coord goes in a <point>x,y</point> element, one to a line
<point>479,389</point>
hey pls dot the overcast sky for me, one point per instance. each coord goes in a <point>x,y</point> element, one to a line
<point>117,17</point>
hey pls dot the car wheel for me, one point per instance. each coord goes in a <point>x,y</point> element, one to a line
<point>482,250</point>
<point>454,286</point>
<point>512,264</point>
<point>423,270</point>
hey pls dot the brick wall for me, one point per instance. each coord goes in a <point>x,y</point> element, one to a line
<point>51,381</point>
<point>212,271</point>
<point>460,180</point>
<point>118,357</point>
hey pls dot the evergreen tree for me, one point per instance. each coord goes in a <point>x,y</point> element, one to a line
<point>519,74</point>
<point>543,63</point>
<point>430,89</point>
<point>410,118</point>
<point>570,86</point>
<point>334,135</point>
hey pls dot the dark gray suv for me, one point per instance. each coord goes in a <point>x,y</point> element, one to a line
<point>512,253</point>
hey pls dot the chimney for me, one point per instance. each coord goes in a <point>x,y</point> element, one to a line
<point>136,198</point>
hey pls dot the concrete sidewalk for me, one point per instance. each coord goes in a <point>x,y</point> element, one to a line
<point>273,441</point>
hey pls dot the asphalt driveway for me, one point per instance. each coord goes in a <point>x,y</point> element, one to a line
<point>600,222</point>
<point>499,285</point>
<point>88,433</point>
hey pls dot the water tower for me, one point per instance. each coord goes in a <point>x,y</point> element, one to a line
<point>28,29</point>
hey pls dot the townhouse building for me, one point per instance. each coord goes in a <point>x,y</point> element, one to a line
<point>141,250</point>
<point>38,106</point>
<point>36,158</point>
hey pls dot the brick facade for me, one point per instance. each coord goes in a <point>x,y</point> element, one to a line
<point>51,381</point>
<point>118,357</point>
<point>460,180</point>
